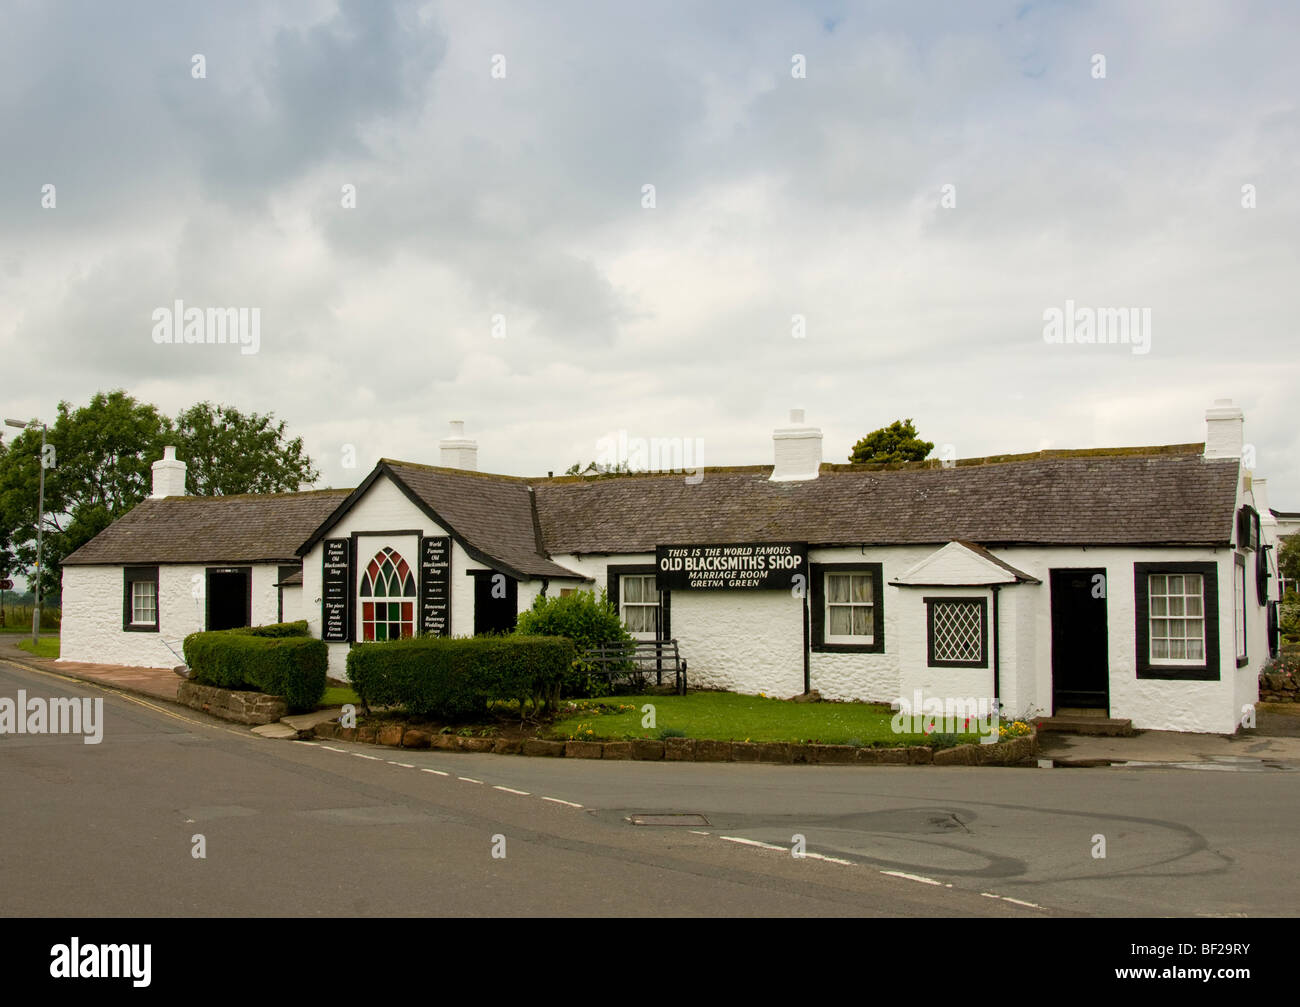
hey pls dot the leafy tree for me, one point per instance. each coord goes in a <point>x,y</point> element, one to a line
<point>101,458</point>
<point>897,442</point>
<point>585,617</point>
<point>227,452</point>
<point>1288,559</point>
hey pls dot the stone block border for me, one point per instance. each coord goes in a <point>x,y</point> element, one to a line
<point>1002,753</point>
<point>242,707</point>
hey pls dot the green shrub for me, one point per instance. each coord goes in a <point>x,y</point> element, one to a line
<point>944,741</point>
<point>457,677</point>
<point>589,620</point>
<point>277,629</point>
<point>290,666</point>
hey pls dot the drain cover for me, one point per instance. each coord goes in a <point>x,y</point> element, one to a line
<point>669,819</point>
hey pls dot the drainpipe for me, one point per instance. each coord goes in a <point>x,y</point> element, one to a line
<point>807,643</point>
<point>997,649</point>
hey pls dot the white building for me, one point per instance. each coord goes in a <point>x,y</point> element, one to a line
<point>1133,582</point>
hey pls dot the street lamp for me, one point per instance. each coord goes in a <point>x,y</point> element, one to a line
<point>40,528</point>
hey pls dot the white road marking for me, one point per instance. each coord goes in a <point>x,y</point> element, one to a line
<point>913,877</point>
<point>556,800</point>
<point>468,780</point>
<point>436,772</point>
<point>311,744</point>
<point>372,758</point>
<point>331,748</point>
<point>697,832</point>
<point>404,765</point>
<point>832,860</point>
<point>753,842</point>
<point>510,790</point>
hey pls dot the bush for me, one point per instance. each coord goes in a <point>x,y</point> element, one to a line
<point>455,678</point>
<point>290,666</point>
<point>1288,615</point>
<point>589,620</point>
<point>277,629</point>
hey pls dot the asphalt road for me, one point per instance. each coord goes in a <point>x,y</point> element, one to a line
<point>330,829</point>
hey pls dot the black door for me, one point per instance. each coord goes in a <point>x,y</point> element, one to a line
<point>496,602</point>
<point>230,597</point>
<point>1080,666</point>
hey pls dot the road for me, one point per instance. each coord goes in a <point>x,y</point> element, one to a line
<point>337,830</point>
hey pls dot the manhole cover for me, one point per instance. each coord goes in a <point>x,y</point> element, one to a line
<point>669,819</point>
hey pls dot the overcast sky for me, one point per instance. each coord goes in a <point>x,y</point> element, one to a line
<point>520,194</point>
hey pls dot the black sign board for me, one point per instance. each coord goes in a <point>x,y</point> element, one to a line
<point>334,591</point>
<point>732,567</point>
<point>435,586</point>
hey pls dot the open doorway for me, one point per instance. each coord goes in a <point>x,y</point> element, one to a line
<point>1080,647</point>
<point>230,597</point>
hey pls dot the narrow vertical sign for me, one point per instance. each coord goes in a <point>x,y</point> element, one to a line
<point>435,586</point>
<point>334,591</point>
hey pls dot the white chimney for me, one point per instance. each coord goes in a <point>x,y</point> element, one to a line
<point>798,450</point>
<point>457,451</point>
<point>1223,430</point>
<point>1259,488</point>
<point>168,475</point>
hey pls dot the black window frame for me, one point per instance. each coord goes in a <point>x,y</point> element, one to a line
<point>1144,668</point>
<point>931,603</point>
<point>614,574</point>
<point>137,574</point>
<point>817,617</point>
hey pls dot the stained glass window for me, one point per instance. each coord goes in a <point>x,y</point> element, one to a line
<point>389,577</point>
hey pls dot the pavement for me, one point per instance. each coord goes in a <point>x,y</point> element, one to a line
<point>156,683</point>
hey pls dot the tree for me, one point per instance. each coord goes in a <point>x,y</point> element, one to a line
<point>897,442</point>
<point>97,470</point>
<point>1288,559</point>
<point>102,458</point>
<point>227,452</point>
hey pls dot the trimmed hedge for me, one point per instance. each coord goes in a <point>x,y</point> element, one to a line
<point>276,629</point>
<point>456,677</point>
<point>279,664</point>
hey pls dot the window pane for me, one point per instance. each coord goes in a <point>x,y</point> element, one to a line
<point>1177,649</point>
<point>1159,649</point>
<point>841,621</point>
<point>1175,627</point>
<point>1194,606</point>
<point>632,589</point>
<point>837,588</point>
<point>368,631</point>
<point>861,620</point>
<point>1157,583</point>
<point>381,631</point>
<point>861,589</point>
<point>1196,650</point>
<point>1159,628</point>
<point>1159,605</point>
<point>1176,605</point>
<point>1195,629</point>
<point>1192,583</point>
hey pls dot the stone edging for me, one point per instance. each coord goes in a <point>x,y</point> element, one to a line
<point>1002,753</point>
<point>229,704</point>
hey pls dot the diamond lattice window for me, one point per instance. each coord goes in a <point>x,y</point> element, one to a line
<point>956,631</point>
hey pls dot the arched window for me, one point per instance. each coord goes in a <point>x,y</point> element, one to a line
<point>387,598</point>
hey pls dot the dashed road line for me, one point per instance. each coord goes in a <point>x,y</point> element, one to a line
<point>404,765</point>
<point>468,779</point>
<point>913,877</point>
<point>436,772</point>
<point>754,842</point>
<point>556,800</point>
<point>511,790</point>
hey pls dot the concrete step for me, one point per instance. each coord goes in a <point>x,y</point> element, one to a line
<point>1105,726</point>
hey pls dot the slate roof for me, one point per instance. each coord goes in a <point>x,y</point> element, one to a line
<point>1173,496</point>
<point>1135,496</point>
<point>251,528</point>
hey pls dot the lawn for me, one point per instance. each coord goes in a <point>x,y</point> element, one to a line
<point>47,646</point>
<point>337,695</point>
<point>727,716</point>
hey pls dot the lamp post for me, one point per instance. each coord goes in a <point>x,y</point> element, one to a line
<point>40,529</point>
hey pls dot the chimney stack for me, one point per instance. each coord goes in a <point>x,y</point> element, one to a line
<point>1223,430</point>
<point>458,451</point>
<point>797,449</point>
<point>168,475</point>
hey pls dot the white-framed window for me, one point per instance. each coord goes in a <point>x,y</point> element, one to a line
<point>639,600</point>
<point>387,593</point>
<point>1177,618</point>
<point>144,603</point>
<point>850,607</point>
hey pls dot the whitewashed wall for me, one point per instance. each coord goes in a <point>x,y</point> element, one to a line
<point>92,613</point>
